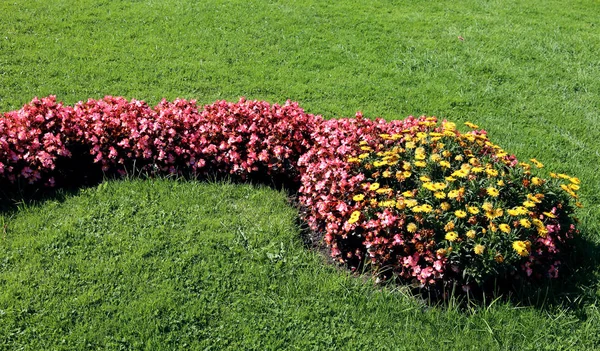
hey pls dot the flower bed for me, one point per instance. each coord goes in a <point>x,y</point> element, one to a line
<point>415,199</point>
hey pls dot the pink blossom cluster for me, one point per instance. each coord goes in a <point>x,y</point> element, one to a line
<point>247,138</point>
<point>32,139</point>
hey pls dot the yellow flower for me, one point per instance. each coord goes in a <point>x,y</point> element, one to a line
<point>445,206</point>
<point>460,173</point>
<point>386,174</point>
<point>411,227</point>
<point>444,164</point>
<point>441,252</point>
<point>536,181</point>
<point>563,176</point>
<point>426,208</point>
<point>406,174</point>
<point>479,249</point>
<point>353,160</point>
<point>473,209</point>
<point>537,163</point>
<point>406,166</point>
<point>387,203</point>
<point>505,228</point>
<point>477,169</point>
<point>420,164</point>
<point>471,234</point>
<point>525,223</point>
<point>409,145</point>
<point>446,153</point>
<point>500,182</point>
<point>487,206</point>
<point>542,232</point>
<point>575,180</point>
<point>492,191</point>
<point>411,203</point>
<point>574,187</point>
<point>435,157</point>
<point>526,166</point>
<point>425,179</point>
<point>374,186</point>
<point>521,247</point>
<point>550,214</point>
<point>363,156</point>
<point>449,226</point>
<point>439,186</point>
<point>513,212</point>
<point>383,190</point>
<point>358,197</point>
<point>471,125</point>
<point>354,217</point>
<point>420,157</point>
<point>449,125</point>
<point>439,195</point>
<point>494,213</point>
<point>417,209</point>
<point>521,210</point>
<point>450,179</point>
<point>460,213</point>
<point>453,194</point>
<point>451,236</point>
<point>538,223</point>
<point>408,193</point>
<point>529,204</point>
<point>491,172</point>
<point>429,186</point>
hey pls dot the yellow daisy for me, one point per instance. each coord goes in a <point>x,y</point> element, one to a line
<point>479,249</point>
<point>451,236</point>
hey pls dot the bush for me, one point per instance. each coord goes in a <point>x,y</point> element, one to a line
<point>244,139</point>
<point>430,205</point>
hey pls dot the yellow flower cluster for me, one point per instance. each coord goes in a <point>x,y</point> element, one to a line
<point>475,197</point>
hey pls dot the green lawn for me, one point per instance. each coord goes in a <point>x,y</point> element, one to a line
<point>167,265</point>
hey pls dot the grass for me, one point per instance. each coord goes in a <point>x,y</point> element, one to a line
<point>526,71</point>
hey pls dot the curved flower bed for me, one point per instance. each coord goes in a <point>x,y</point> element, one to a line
<point>416,199</point>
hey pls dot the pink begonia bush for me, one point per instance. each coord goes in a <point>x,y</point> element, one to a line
<point>244,139</point>
<point>338,182</point>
